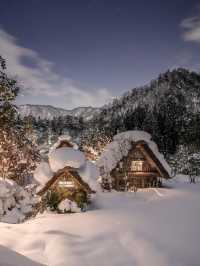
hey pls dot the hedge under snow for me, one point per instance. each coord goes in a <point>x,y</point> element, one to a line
<point>120,147</point>
<point>67,205</point>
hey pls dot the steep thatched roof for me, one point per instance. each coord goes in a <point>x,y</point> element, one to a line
<point>73,174</point>
<point>121,145</point>
<point>149,154</point>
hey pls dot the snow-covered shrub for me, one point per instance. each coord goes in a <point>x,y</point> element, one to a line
<point>52,202</point>
<point>16,203</point>
<point>67,206</point>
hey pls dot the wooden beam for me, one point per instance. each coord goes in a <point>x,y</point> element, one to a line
<point>151,160</point>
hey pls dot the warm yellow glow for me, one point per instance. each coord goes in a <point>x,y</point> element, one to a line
<point>136,166</point>
<point>66,184</point>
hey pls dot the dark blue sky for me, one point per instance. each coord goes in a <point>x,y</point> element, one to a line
<point>98,48</point>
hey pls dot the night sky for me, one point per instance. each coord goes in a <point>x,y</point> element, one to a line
<point>71,53</point>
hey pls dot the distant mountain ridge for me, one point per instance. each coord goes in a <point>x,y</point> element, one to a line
<point>180,84</point>
<point>168,108</point>
<point>49,112</point>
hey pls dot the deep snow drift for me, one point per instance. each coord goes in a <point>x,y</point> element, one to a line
<point>154,227</point>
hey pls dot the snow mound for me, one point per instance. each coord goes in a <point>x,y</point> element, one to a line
<point>13,217</point>
<point>67,205</point>
<point>60,139</point>
<point>89,172</point>
<point>62,157</point>
<point>11,258</point>
<point>120,147</point>
<point>43,173</point>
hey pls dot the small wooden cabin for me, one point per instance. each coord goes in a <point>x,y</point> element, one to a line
<point>67,183</point>
<point>140,168</point>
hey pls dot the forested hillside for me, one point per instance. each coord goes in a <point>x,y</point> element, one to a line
<point>168,108</point>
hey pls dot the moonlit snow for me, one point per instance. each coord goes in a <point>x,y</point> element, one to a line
<point>155,227</point>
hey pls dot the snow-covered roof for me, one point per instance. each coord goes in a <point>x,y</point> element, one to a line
<point>90,174</point>
<point>63,157</point>
<point>43,173</point>
<point>120,147</point>
<point>60,140</point>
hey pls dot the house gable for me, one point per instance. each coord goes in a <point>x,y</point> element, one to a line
<point>139,168</point>
<point>66,179</point>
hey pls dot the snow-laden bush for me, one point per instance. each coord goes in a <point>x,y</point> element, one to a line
<point>68,206</point>
<point>16,202</point>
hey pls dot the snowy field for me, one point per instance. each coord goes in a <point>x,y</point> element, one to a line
<point>155,227</point>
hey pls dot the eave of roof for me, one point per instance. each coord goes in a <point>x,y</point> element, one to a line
<point>146,149</point>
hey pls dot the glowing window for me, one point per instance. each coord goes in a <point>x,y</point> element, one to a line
<point>66,184</point>
<point>136,166</point>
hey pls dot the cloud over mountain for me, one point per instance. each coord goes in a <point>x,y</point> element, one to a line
<point>191,29</point>
<point>41,83</point>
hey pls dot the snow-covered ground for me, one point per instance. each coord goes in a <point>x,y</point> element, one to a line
<point>155,227</point>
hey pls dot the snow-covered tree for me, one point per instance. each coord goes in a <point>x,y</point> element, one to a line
<point>186,161</point>
<point>18,154</point>
<point>95,140</point>
<point>16,203</point>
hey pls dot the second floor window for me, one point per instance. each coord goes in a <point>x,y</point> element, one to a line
<point>136,166</point>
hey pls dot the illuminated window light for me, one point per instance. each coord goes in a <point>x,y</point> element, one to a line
<point>66,184</point>
<point>136,166</point>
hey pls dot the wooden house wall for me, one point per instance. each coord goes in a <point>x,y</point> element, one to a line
<point>124,178</point>
<point>66,192</point>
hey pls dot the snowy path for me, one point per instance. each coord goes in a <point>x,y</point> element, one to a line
<point>124,230</point>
